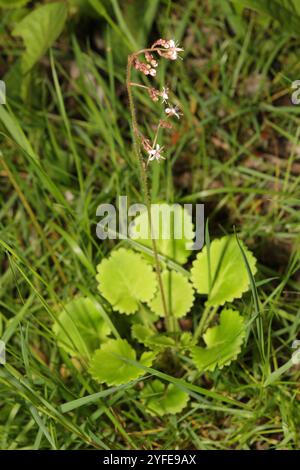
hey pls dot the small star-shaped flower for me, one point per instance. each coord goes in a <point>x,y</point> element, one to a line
<point>155,153</point>
<point>173,111</point>
<point>173,49</point>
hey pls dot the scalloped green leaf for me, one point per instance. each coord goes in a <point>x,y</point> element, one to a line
<point>144,316</point>
<point>161,399</point>
<point>229,276</point>
<point>181,340</point>
<point>223,342</point>
<point>39,30</point>
<point>179,295</point>
<point>153,340</point>
<point>173,233</point>
<point>80,328</point>
<point>187,340</point>
<point>109,364</point>
<point>126,279</point>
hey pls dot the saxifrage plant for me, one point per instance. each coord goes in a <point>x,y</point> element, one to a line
<point>154,296</point>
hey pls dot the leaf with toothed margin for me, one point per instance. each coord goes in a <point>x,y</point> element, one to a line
<point>228,278</point>
<point>223,342</point>
<point>126,279</point>
<point>111,363</point>
<point>179,295</point>
<point>172,228</point>
<point>161,399</point>
<point>182,340</point>
<point>151,339</point>
<point>80,328</point>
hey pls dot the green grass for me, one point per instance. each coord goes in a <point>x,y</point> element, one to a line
<point>66,147</point>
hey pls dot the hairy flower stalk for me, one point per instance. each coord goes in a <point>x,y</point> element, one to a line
<point>168,50</point>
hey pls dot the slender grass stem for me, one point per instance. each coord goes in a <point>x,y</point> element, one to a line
<point>33,219</point>
<point>156,134</point>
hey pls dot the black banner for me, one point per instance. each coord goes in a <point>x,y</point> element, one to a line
<point>136,459</point>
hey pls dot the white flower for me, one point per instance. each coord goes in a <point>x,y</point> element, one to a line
<point>170,46</point>
<point>173,111</point>
<point>173,49</point>
<point>164,94</point>
<point>155,153</point>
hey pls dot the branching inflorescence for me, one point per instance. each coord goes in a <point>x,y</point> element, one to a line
<point>167,49</point>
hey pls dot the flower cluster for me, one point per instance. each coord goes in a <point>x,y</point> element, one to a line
<point>146,69</point>
<point>165,48</point>
<point>168,49</point>
<point>156,94</point>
